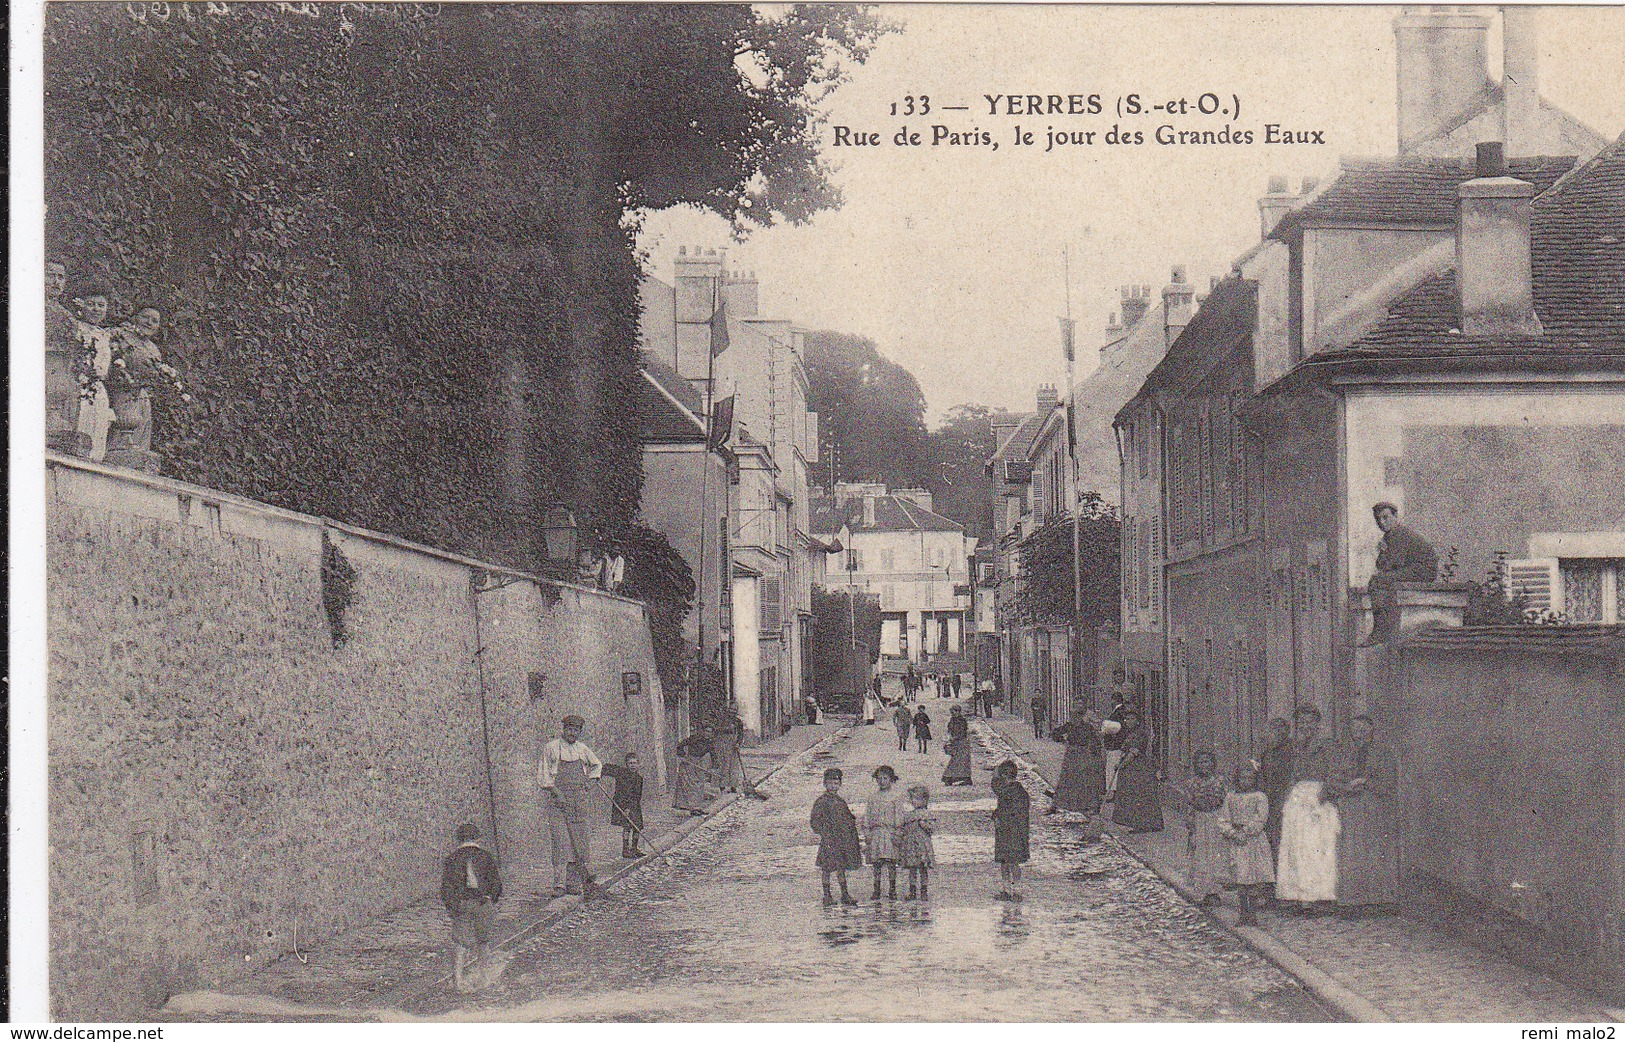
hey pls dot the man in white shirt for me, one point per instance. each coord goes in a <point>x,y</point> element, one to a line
<point>568,773</point>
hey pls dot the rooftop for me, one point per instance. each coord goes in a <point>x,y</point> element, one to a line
<point>892,514</point>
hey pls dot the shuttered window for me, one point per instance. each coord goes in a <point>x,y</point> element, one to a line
<point>772,605</point>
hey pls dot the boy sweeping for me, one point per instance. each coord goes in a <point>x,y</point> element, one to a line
<point>470,889</point>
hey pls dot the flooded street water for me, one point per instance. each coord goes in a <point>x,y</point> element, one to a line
<point>730,926</point>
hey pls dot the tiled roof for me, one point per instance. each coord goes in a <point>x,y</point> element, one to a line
<point>1020,441</point>
<point>892,514</point>
<point>1226,316</point>
<point>660,419</point>
<point>1409,190</point>
<point>1578,262</point>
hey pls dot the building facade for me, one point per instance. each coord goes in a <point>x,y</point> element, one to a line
<point>914,562</point>
<point>1426,331</point>
<point>716,341</point>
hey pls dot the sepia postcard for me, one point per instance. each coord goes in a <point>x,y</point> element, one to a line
<point>777,513</point>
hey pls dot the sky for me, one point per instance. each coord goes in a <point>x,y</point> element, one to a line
<point>951,258</point>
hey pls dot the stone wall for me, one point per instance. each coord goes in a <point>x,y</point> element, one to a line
<point>1511,743</point>
<point>221,772</point>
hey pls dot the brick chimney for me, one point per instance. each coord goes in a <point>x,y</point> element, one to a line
<point>1048,398</point>
<point>695,275</point>
<point>1114,329</point>
<point>1178,298</point>
<point>1520,81</point>
<point>868,511</point>
<point>1442,58</point>
<point>1276,202</point>
<point>739,288</point>
<point>1492,250</point>
<point>1136,301</point>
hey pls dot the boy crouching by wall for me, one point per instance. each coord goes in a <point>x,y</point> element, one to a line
<point>470,889</point>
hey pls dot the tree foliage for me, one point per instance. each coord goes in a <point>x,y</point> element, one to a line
<point>833,629</point>
<point>391,242</point>
<point>871,412</point>
<point>1045,593</point>
<point>958,479</point>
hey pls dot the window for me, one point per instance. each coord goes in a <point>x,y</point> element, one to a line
<point>888,596</point>
<point>854,560</point>
<point>1240,507</point>
<point>1591,589</point>
<point>772,606</point>
<point>936,557</point>
<point>1204,470</point>
<point>888,561</point>
<point>1143,541</point>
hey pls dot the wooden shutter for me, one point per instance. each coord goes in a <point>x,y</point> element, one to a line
<point>1538,579</point>
<point>772,606</point>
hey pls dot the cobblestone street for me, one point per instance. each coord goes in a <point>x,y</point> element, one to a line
<point>730,926</point>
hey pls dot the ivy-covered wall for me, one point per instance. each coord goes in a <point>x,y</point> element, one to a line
<point>395,278</point>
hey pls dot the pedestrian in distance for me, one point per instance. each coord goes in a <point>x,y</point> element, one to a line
<point>1040,716</point>
<point>1242,822</point>
<point>1206,847</point>
<point>958,748</point>
<point>838,847</point>
<point>882,816</point>
<point>1138,806</point>
<point>914,843</point>
<point>954,682</point>
<point>1012,827</point>
<point>569,771</point>
<point>903,720</point>
<point>922,729</point>
<point>626,803</point>
<point>696,784</point>
<point>725,759</point>
<point>470,888</point>
<point>1082,784</point>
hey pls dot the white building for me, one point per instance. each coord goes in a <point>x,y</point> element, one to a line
<point>914,561</point>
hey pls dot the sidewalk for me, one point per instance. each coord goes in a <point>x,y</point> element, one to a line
<point>1377,969</point>
<point>381,963</point>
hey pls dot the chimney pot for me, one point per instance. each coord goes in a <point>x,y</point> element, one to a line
<point>682,251</point>
<point>1494,272</point>
<point>1178,273</point>
<point>1492,160</point>
<point>1212,283</point>
<point>1309,185</point>
<point>1277,185</point>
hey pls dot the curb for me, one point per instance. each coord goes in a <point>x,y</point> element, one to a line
<point>560,907</point>
<point>1321,984</point>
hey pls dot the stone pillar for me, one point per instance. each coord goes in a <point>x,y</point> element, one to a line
<point>1420,605</point>
<point>62,403</point>
<point>129,435</point>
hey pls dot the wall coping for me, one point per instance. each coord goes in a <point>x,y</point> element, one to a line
<point>252,506</point>
<point>1606,641</point>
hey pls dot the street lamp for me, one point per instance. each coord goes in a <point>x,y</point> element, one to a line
<point>559,532</point>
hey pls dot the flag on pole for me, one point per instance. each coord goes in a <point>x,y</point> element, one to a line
<point>722,423</point>
<point>1068,337</point>
<point>719,319</point>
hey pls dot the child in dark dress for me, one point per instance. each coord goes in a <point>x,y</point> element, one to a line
<point>838,847</point>
<point>922,730</point>
<point>626,804</point>
<point>1011,829</point>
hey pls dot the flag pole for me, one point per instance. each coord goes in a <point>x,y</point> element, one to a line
<point>705,486</point>
<point>1073,493</point>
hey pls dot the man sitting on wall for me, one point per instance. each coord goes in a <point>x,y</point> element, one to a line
<point>1402,556</point>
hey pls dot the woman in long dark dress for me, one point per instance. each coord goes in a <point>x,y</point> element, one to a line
<point>725,759</point>
<point>1138,807</point>
<point>958,770</point>
<point>1363,788</point>
<point>1083,771</point>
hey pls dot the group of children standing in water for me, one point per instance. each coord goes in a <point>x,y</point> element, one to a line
<point>897,830</point>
